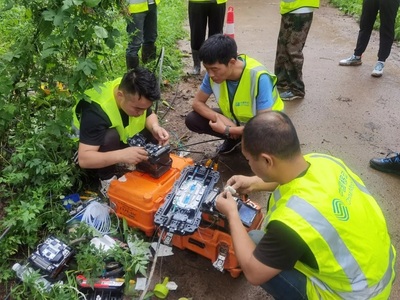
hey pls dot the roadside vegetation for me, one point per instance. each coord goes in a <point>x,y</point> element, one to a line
<point>52,51</point>
<point>354,7</point>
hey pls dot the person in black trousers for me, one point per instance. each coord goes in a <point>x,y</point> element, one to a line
<point>387,13</point>
<point>201,13</point>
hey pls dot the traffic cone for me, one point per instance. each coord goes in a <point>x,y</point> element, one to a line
<point>230,23</point>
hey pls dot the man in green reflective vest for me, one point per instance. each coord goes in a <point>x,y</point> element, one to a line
<point>142,30</point>
<point>242,87</point>
<point>324,235</point>
<point>117,112</point>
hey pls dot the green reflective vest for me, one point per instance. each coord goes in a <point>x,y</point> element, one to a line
<point>107,102</point>
<point>138,6</point>
<point>287,6</point>
<point>243,106</point>
<point>332,211</point>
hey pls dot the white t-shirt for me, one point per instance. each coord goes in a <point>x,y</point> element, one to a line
<point>302,10</point>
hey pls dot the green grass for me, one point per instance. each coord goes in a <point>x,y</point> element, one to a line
<point>354,8</point>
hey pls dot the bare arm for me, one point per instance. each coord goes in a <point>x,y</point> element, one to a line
<point>247,184</point>
<point>237,131</point>
<point>255,271</point>
<point>199,105</point>
<point>90,158</point>
<point>218,121</point>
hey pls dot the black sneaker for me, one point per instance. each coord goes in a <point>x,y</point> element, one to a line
<point>389,164</point>
<point>228,146</point>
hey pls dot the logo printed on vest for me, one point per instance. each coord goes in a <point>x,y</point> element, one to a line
<point>242,103</point>
<point>343,183</point>
<point>340,210</point>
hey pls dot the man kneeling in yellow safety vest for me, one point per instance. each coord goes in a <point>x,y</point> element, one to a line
<point>117,112</point>
<point>325,236</point>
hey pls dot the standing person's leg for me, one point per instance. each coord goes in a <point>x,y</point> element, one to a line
<point>198,24</point>
<point>290,58</point>
<point>150,34</point>
<point>301,24</point>
<point>368,16</point>
<point>134,29</point>
<point>282,58</point>
<point>216,18</point>
<point>387,14</point>
<point>387,11</point>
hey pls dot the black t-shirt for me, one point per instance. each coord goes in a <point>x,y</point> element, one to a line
<point>281,247</point>
<point>94,122</point>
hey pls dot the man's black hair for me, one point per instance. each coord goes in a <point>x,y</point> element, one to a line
<point>142,82</point>
<point>218,48</point>
<point>273,133</point>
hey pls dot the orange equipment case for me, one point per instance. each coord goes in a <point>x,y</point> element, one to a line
<point>138,197</point>
<point>208,242</point>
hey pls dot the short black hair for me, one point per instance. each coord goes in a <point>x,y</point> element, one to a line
<point>273,133</point>
<point>218,48</point>
<point>142,82</point>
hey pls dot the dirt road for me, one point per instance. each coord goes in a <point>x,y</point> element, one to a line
<point>346,113</point>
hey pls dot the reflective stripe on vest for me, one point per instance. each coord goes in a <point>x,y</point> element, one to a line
<point>354,274</point>
<point>138,6</point>
<point>287,6</point>
<point>244,99</point>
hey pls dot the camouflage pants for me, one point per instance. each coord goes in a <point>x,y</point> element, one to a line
<point>289,52</point>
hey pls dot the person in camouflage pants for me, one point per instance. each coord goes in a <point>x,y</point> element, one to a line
<point>295,24</point>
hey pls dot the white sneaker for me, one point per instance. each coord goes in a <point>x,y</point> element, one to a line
<point>351,61</point>
<point>105,184</point>
<point>378,70</point>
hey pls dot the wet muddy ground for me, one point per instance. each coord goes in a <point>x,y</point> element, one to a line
<point>345,113</point>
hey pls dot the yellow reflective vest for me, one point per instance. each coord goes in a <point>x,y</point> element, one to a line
<point>287,6</point>
<point>333,212</point>
<point>208,1</point>
<point>138,6</point>
<point>107,102</point>
<point>243,106</point>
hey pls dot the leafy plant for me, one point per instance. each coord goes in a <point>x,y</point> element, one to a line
<point>52,51</point>
<point>354,8</point>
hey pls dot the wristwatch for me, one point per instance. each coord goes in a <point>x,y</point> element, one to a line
<point>226,132</point>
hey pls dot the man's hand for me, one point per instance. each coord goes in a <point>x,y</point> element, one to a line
<point>134,155</point>
<point>219,123</point>
<point>160,134</point>
<point>242,184</point>
<point>226,204</point>
<point>247,184</point>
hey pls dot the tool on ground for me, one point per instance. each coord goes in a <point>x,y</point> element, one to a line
<point>161,290</point>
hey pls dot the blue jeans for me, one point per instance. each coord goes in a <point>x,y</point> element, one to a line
<point>288,284</point>
<point>142,29</point>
